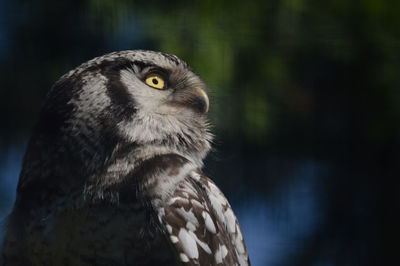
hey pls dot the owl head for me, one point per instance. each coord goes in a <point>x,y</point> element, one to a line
<point>142,101</point>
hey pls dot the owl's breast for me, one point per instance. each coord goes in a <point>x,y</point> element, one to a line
<point>97,234</point>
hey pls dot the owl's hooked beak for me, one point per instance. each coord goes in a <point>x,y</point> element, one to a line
<point>201,100</point>
<point>193,98</point>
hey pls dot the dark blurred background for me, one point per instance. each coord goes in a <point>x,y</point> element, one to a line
<point>305,106</point>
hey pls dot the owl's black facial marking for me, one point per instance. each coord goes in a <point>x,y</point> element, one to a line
<point>140,65</point>
<point>151,68</point>
<point>123,105</point>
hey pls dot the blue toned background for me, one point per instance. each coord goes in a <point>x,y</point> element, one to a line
<point>304,102</point>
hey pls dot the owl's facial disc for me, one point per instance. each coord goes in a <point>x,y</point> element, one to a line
<point>171,105</point>
<point>169,89</point>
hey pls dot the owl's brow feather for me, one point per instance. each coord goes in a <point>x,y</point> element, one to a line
<point>187,81</point>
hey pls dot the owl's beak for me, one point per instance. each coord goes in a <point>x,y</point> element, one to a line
<point>194,98</point>
<point>201,101</point>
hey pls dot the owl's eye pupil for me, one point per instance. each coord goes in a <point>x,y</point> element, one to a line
<point>155,81</point>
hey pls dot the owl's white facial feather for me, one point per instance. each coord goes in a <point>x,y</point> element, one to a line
<point>156,119</point>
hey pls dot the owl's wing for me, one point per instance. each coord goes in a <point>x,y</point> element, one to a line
<point>201,224</point>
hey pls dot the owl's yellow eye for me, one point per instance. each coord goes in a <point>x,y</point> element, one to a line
<point>155,80</point>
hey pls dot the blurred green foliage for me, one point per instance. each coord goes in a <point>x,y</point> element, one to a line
<point>263,60</point>
<point>260,57</point>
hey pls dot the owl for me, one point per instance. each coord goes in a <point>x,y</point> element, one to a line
<point>112,173</point>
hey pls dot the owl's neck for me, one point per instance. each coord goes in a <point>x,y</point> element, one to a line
<point>61,170</point>
<point>143,169</point>
<point>126,159</point>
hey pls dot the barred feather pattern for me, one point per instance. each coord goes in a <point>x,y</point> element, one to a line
<point>201,224</point>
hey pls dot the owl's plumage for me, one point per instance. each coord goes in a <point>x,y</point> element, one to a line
<point>112,173</point>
